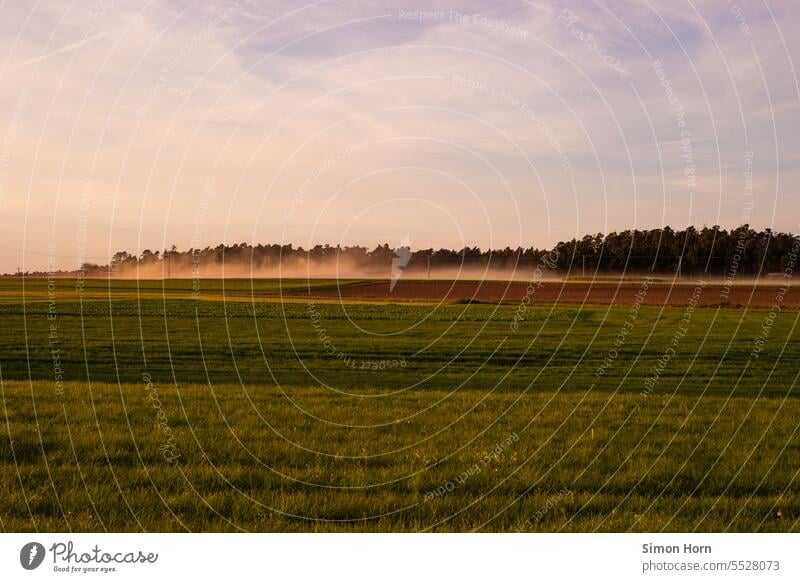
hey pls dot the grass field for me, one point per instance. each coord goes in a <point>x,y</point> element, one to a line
<point>136,406</point>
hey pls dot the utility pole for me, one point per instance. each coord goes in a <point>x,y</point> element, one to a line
<point>583,266</point>
<point>429,267</point>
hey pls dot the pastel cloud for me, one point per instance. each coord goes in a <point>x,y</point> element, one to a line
<point>484,123</point>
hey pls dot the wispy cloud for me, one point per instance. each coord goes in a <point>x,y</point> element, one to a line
<point>60,51</point>
<point>261,96</point>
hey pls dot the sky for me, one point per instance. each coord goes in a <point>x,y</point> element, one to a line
<point>132,125</point>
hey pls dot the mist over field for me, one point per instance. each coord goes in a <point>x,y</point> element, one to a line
<point>712,254</point>
<point>321,270</point>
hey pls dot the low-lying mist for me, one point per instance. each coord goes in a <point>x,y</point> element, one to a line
<point>333,269</point>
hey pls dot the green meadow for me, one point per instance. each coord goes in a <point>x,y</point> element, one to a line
<point>153,406</point>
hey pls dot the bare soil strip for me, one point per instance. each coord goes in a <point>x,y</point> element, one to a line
<point>604,293</point>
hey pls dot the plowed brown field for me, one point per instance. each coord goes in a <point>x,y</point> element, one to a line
<point>604,293</point>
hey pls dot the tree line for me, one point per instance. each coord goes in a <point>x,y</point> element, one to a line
<point>708,250</point>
